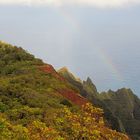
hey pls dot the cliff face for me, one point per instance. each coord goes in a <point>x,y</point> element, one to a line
<point>126,106</point>
<point>90,87</point>
<point>122,108</point>
<point>86,88</point>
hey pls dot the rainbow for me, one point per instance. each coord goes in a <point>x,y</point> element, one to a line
<point>109,62</point>
<point>104,56</point>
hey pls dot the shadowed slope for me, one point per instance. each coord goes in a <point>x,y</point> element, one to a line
<point>122,108</point>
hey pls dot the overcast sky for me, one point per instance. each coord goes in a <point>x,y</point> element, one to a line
<point>96,38</point>
<point>97,3</point>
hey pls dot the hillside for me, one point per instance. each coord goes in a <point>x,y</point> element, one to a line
<point>36,103</point>
<point>122,108</point>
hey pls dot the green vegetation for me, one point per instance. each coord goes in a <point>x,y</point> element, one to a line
<point>33,108</point>
<point>86,124</point>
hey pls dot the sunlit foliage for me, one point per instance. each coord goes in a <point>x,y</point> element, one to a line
<point>87,124</point>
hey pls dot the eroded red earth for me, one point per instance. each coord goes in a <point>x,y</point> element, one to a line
<point>67,93</point>
<point>50,70</point>
<point>73,96</point>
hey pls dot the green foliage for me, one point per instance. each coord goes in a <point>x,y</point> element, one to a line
<point>3,107</point>
<point>24,89</point>
<point>39,131</point>
<point>66,102</point>
<point>86,124</point>
<point>9,131</point>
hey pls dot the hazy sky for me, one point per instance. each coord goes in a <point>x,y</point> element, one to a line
<point>97,3</point>
<point>96,38</point>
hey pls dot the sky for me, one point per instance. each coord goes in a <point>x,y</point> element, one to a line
<point>97,3</point>
<point>95,38</point>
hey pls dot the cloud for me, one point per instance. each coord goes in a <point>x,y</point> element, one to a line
<point>95,3</point>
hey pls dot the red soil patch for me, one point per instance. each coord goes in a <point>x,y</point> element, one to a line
<point>73,96</point>
<point>50,70</point>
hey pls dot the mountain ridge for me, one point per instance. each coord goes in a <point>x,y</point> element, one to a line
<point>110,101</point>
<point>36,102</point>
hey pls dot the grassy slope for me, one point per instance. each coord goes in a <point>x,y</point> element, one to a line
<point>23,84</point>
<point>33,91</point>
